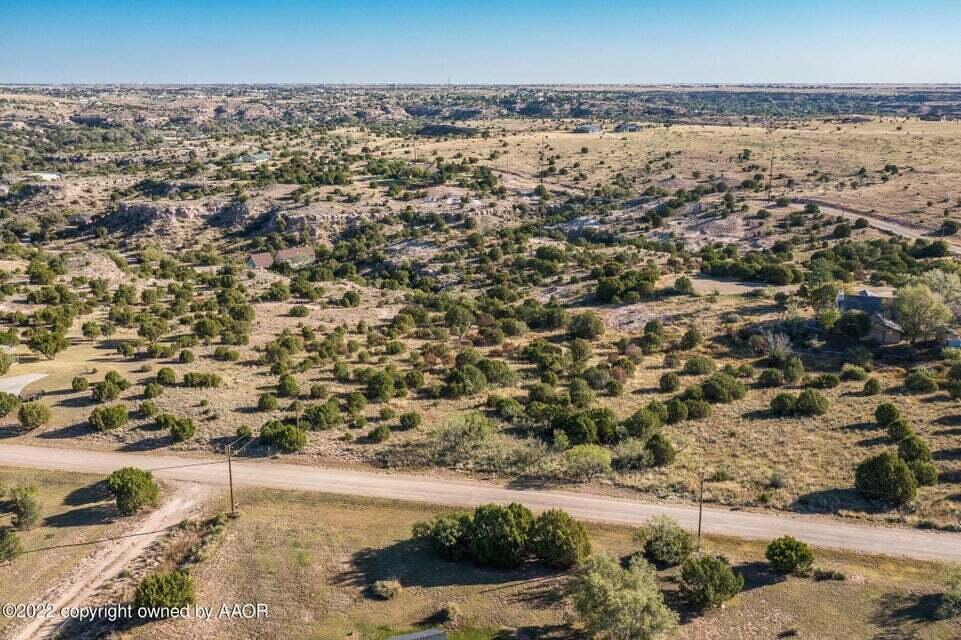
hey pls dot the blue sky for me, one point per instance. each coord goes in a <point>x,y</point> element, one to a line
<point>493,41</point>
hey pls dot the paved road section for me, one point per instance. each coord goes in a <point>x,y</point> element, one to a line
<point>816,530</point>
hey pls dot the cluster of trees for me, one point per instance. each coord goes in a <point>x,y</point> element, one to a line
<point>507,536</point>
<point>894,476</point>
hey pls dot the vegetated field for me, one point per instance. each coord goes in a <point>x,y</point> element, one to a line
<point>441,324</point>
<point>73,512</point>
<point>314,558</point>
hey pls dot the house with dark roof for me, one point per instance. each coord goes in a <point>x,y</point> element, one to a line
<point>885,330</point>
<point>587,128</point>
<point>864,300</point>
<point>260,260</point>
<point>295,257</point>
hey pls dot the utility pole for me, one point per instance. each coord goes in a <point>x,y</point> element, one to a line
<point>700,511</point>
<point>230,477</point>
<point>770,177</point>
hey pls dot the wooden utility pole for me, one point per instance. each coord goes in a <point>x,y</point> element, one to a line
<point>230,478</point>
<point>700,511</point>
<point>770,177</point>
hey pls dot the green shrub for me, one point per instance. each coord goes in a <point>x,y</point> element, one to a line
<point>322,416</point>
<point>8,403</point>
<point>790,555</point>
<point>106,391</point>
<point>661,450</point>
<point>108,417</point>
<point>152,390</point>
<point>886,476</point>
<point>886,413</point>
<point>697,409</point>
<point>285,437</point>
<point>166,376</point>
<point>665,542</point>
<point>79,383</point>
<point>898,430</point>
<point>287,386</point>
<point>691,338</point>
<point>585,461</point>
<point>872,387</point>
<point>722,388</point>
<point>499,536</point>
<point>587,325</point>
<point>448,534</point>
<point>920,380</point>
<point>825,381</point>
<point>853,372</point>
<point>379,434</point>
<point>186,356</point>
<point>183,429</point>
<point>669,382</point>
<point>10,546</point>
<point>770,378</point>
<point>698,365</point>
<point>925,473</point>
<point>642,424</point>
<point>559,540</point>
<point>203,380</point>
<point>912,448</point>
<point>133,489</point>
<point>676,411</point>
<point>811,403</point>
<point>410,420</point>
<point>25,506</point>
<point>793,370</point>
<point>709,581</point>
<point>160,591</point>
<point>267,402</point>
<point>33,414</point>
<point>784,404</point>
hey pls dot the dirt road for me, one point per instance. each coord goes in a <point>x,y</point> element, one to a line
<point>16,384</point>
<point>816,530</point>
<point>882,223</point>
<point>110,558</point>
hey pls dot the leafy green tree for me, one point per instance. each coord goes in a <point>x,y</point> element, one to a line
<point>664,541</point>
<point>47,343</point>
<point>621,604</point>
<point>920,312</point>
<point>886,476</point>
<point>499,535</point>
<point>161,591</point>
<point>133,489</point>
<point>108,417</point>
<point>33,414</point>
<point>559,540</point>
<point>587,325</point>
<point>10,545</point>
<point>709,581</point>
<point>25,506</point>
<point>790,555</point>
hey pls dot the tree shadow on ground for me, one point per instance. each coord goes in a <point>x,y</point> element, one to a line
<point>76,402</point>
<point>149,444</point>
<point>96,492</point>
<point>831,501</point>
<point>873,442</point>
<point>903,616</point>
<point>69,431</point>
<point>861,426</point>
<point>415,564</point>
<point>83,516</point>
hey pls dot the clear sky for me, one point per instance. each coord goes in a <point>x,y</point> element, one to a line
<point>483,41</point>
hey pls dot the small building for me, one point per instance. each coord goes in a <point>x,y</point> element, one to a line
<point>295,257</point>
<point>884,330</point>
<point>627,127</point>
<point>587,128</point>
<point>864,300</point>
<point>254,158</point>
<point>260,260</point>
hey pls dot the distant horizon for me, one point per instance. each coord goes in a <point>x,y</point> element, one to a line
<point>499,42</point>
<point>653,85</point>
